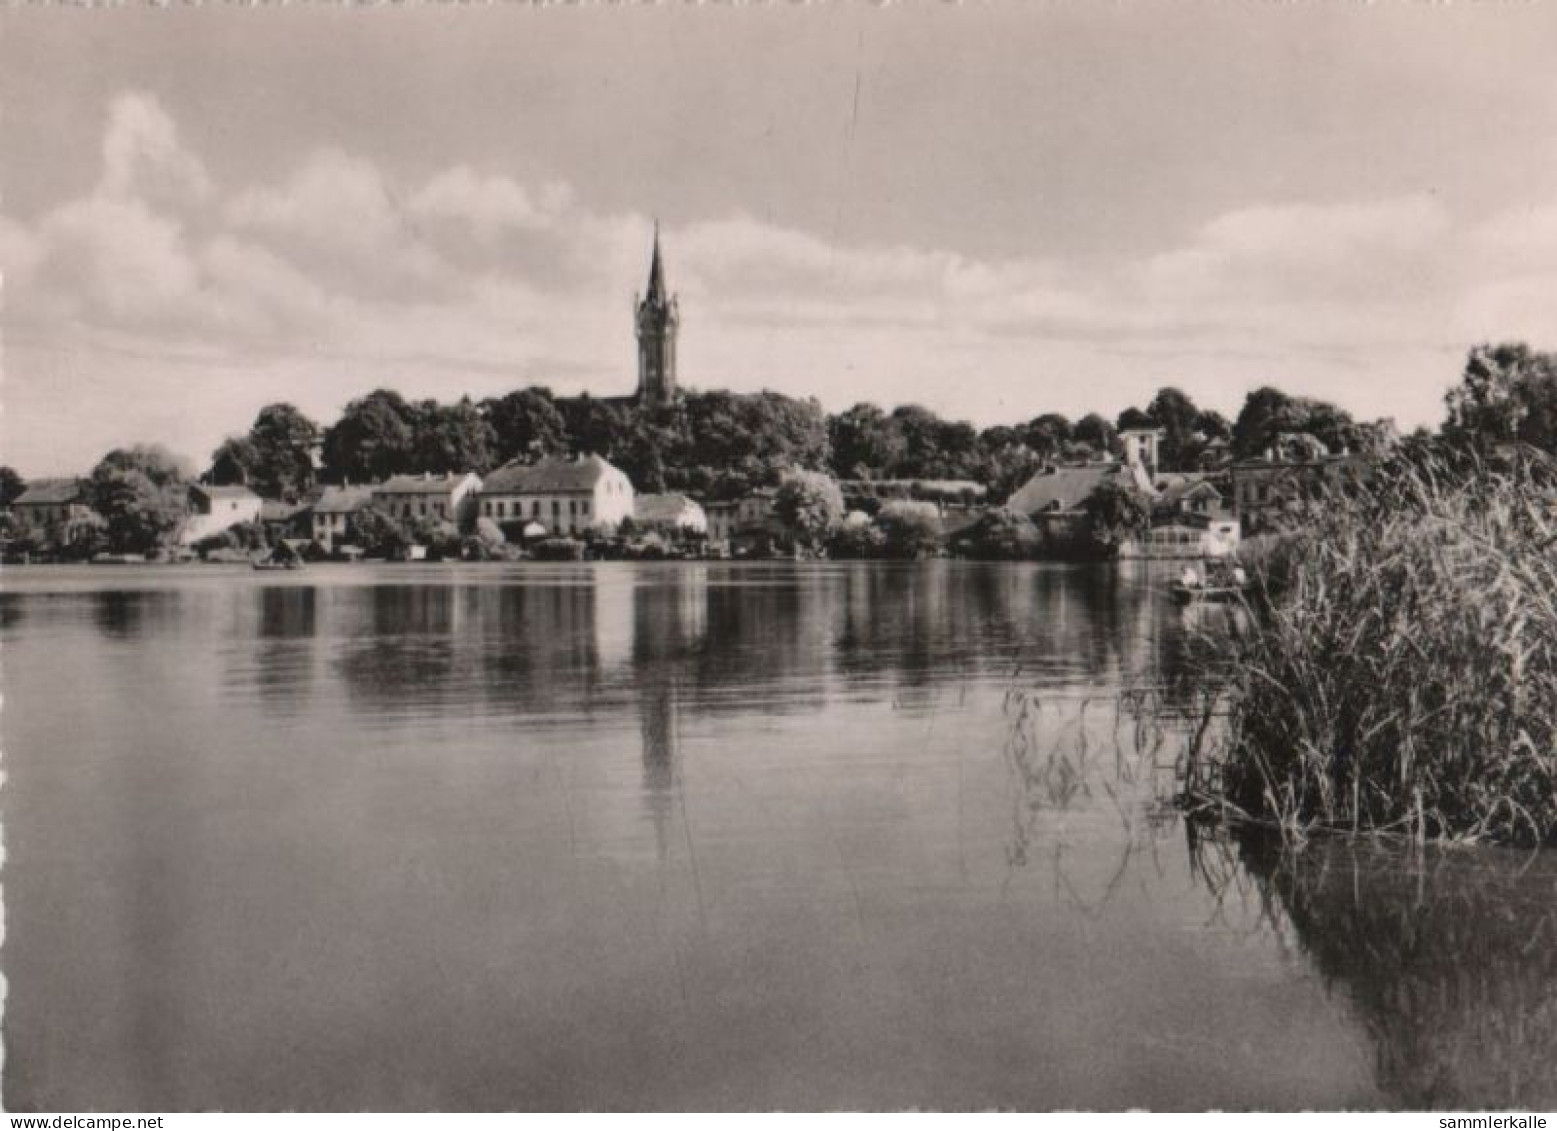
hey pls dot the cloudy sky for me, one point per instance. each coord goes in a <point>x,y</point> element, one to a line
<point>993,210</point>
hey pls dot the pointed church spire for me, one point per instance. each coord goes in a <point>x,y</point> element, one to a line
<point>658,318</point>
<point>656,295</point>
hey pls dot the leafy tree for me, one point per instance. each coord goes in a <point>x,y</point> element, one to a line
<point>858,538</point>
<point>1001,535</point>
<point>1007,462</point>
<point>1507,393</point>
<point>441,537</point>
<point>451,438</point>
<point>1115,511</point>
<point>647,448</point>
<point>909,530</point>
<point>593,426</point>
<point>787,432</point>
<point>1096,433</point>
<point>934,448</point>
<point>11,486</point>
<point>380,535</point>
<point>142,494</point>
<point>1213,425</point>
<point>810,506</point>
<point>1173,412</point>
<point>82,536</point>
<point>1265,412</point>
<point>525,424</point>
<point>866,442</point>
<point>283,440</point>
<point>722,444</point>
<point>234,463</point>
<point>374,439</point>
<point>1331,426</point>
<point>1134,418</point>
<point>1048,434</point>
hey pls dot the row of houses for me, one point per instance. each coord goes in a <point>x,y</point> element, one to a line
<point>554,496</point>
<point>1193,514</point>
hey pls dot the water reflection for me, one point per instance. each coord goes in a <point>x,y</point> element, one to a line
<point>704,835</point>
<point>1448,957</point>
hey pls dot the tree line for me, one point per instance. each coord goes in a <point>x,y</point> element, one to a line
<point>719,444</point>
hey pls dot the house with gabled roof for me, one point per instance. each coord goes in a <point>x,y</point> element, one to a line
<point>59,508</point>
<point>333,514</point>
<point>566,496</point>
<point>670,511</point>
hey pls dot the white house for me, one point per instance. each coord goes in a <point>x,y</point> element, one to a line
<point>672,512</point>
<point>441,498</point>
<point>566,496</point>
<point>215,509</point>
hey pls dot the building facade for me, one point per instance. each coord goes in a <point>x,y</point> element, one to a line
<point>57,508</point>
<point>331,517</point>
<point>566,496</point>
<point>215,509</point>
<point>671,512</point>
<point>440,498</point>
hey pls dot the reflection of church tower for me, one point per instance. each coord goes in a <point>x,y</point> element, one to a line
<point>657,716</point>
<point>658,318</point>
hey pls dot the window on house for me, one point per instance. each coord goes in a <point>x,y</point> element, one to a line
<point>556,508</point>
<point>584,508</point>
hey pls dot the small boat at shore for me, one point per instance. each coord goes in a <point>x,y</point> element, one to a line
<point>118,559</point>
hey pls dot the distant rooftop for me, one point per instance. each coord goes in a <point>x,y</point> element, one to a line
<point>51,492</point>
<point>552,475</point>
<point>343,500</point>
<point>233,492</point>
<point>421,484</point>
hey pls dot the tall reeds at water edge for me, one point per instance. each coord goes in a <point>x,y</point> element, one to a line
<point>1399,673</point>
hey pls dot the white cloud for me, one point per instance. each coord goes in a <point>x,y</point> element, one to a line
<point>469,281</point>
<point>143,158</point>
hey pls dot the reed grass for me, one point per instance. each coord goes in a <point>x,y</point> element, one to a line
<point>1399,673</point>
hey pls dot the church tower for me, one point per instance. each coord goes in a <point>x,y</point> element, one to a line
<point>658,318</point>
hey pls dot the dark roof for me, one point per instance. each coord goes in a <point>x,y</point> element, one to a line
<point>421,484</point>
<point>343,500</point>
<point>552,475</point>
<point>51,492</point>
<point>1065,488</point>
<point>235,492</point>
<point>1183,487</point>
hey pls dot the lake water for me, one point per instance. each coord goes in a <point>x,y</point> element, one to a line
<point>693,836</point>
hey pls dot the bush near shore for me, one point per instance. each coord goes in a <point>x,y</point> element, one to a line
<point>1400,674</point>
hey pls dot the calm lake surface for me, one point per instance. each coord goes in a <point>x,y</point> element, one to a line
<point>693,836</point>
